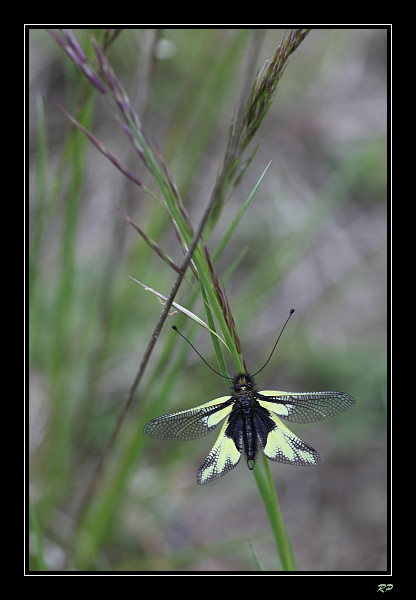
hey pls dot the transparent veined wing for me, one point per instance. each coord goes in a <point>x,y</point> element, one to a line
<point>279,443</point>
<point>189,424</point>
<point>225,453</point>
<point>305,407</point>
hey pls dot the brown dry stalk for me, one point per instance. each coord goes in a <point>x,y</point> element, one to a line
<point>88,494</point>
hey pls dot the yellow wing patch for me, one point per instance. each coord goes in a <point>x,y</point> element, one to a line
<point>306,407</point>
<point>284,446</point>
<point>223,457</point>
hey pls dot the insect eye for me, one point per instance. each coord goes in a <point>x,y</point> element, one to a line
<point>237,387</point>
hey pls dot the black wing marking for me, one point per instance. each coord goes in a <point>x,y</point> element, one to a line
<point>280,444</point>
<point>225,453</point>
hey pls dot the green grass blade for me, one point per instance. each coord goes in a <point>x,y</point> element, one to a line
<point>254,556</point>
<point>268,494</point>
<point>237,218</point>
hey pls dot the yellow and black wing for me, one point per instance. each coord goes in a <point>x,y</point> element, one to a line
<point>226,452</point>
<point>278,443</point>
<point>189,424</point>
<point>276,440</point>
<point>199,421</point>
<point>305,407</point>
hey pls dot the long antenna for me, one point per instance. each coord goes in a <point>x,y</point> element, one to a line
<point>292,310</point>
<point>192,346</point>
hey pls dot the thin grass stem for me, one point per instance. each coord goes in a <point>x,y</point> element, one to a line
<point>139,375</point>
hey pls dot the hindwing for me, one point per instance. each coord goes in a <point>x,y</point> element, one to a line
<point>226,452</point>
<point>278,443</point>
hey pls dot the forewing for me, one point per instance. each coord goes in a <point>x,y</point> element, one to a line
<point>279,443</point>
<point>305,407</point>
<point>226,451</point>
<point>189,424</point>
